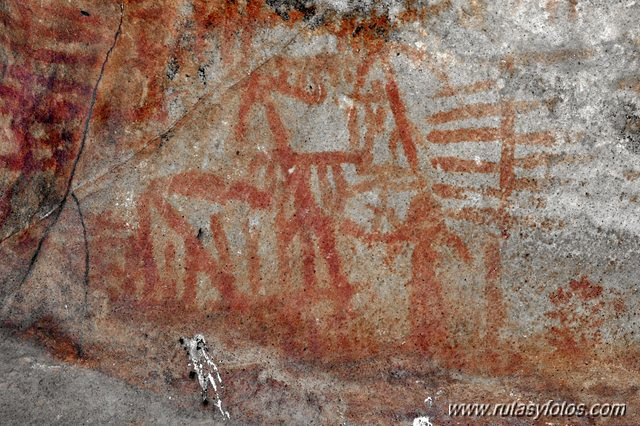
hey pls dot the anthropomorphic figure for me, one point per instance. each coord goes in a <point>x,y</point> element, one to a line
<point>428,311</point>
<point>425,226</point>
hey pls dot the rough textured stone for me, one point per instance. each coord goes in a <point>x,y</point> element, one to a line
<point>361,205</point>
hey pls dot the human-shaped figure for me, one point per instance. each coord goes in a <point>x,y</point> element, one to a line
<point>428,311</point>
<point>425,225</point>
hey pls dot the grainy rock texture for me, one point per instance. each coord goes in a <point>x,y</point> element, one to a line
<point>370,209</point>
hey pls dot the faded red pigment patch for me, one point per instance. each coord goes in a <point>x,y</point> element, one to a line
<point>580,309</point>
<point>138,79</point>
<point>52,336</point>
<point>45,91</point>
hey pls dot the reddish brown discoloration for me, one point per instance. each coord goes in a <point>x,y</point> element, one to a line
<point>569,7</point>
<point>630,83</point>
<point>479,86</point>
<point>580,310</point>
<point>220,27</point>
<point>139,81</point>
<point>55,340</point>
<point>45,90</point>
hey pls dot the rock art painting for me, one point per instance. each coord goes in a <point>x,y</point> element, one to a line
<point>363,212</point>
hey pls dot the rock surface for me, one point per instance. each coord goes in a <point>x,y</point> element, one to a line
<point>37,389</point>
<point>370,210</point>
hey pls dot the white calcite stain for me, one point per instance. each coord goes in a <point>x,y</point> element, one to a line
<point>422,421</point>
<point>206,370</point>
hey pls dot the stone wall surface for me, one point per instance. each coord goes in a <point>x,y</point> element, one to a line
<point>344,212</point>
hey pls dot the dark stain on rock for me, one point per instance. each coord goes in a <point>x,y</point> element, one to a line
<point>32,195</point>
<point>4,60</point>
<point>173,68</point>
<point>284,7</point>
<point>164,138</point>
<point>631,129</point>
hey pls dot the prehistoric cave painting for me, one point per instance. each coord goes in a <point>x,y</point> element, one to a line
<point>244,158</point>
<point>136,78</point>
<point>312,187</point>
<point>274,241</point>
<point>306,192</point>
<point>46,95</point>
<point>149,284</point>
<point>497,220</point>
